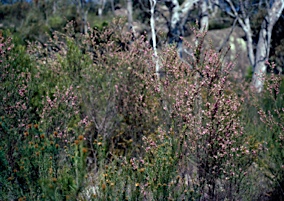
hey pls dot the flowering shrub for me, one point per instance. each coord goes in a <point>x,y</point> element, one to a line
<point>41,160</point>
<point>191,134</point>
<point>15,110</point>
<point>205,115</point>
<point>271,114</point>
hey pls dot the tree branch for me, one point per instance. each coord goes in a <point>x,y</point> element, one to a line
<point>228,36</point>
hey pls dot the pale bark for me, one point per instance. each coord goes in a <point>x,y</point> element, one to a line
<point>175,20</point>
<point>54,7</point>
<point>186,6</point>
<point>82,10</point>
<point>245,24</point>
<point>101,8</point>
<point>112,6</point>
<point>248,32</point>
<point>152,22</point>
<point>258,59</point>
<point>84,15</point>
<point>203,15</point>
<point>129,14</point>
<point>263,45</point>
<point>178,15</point>
<point>85,21</point>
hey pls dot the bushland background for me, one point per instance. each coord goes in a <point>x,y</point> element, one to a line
<point>141,100</point>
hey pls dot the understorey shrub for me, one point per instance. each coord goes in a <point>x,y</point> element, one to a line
<point>193,103</point>
<point>111,74</point>
<point>43,150</point>
<point>205,114</point>
<point>271,115</point>
<point>15,107</point>
<point>190,134</point>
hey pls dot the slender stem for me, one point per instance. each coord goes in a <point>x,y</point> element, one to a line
<point>152,21</point>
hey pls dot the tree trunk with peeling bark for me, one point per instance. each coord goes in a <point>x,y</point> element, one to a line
<point>263,45</point>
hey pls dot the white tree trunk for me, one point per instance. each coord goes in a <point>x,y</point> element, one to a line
<point>263,45</point>
<point>175,20</point>
<point>85,21</point>
<point>112,6</point>
<point>247,29</point>
<point>204,15</point>
<point>101,8</point>
<point>100,11</point>
<point>245,24</point>
<point>187,5</point>
<point>178,13</point>
<point>258,59</point>
<point>129,14</point>
<point>84,15</point>
<point>54,7</point>
<point>152,22</point>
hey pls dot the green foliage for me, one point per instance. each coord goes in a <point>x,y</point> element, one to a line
<point>264,116</point>
<point>193,134</point>
<point>249,74</point>
<point>277,45</point>
<point>153,176</point>
<point>56,22</point>
<point>100,25</point>
<point>272,116</point>
<point>12,15</point>
<point>43,161</point>
<point>277,55</point>
<point>40,167</point>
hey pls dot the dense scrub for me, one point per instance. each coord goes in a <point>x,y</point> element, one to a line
<point>84,117</point>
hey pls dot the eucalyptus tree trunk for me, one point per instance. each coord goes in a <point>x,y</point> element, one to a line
<point>101,7</point>
<point>129,14</point>
<point>82,10</point>
<point>112,6</point>
<point>85,21</point>
<point>84,15</point>
<point>260,56</point>
<point>203,15</point>
<point>54,6</point>
<point>244,21</point>
<point>178,15</point>
<point>263,45</point>
<point>153,31</point>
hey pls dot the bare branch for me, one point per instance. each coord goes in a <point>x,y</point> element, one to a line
<point>228,36</point>
<point>146,10</point>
